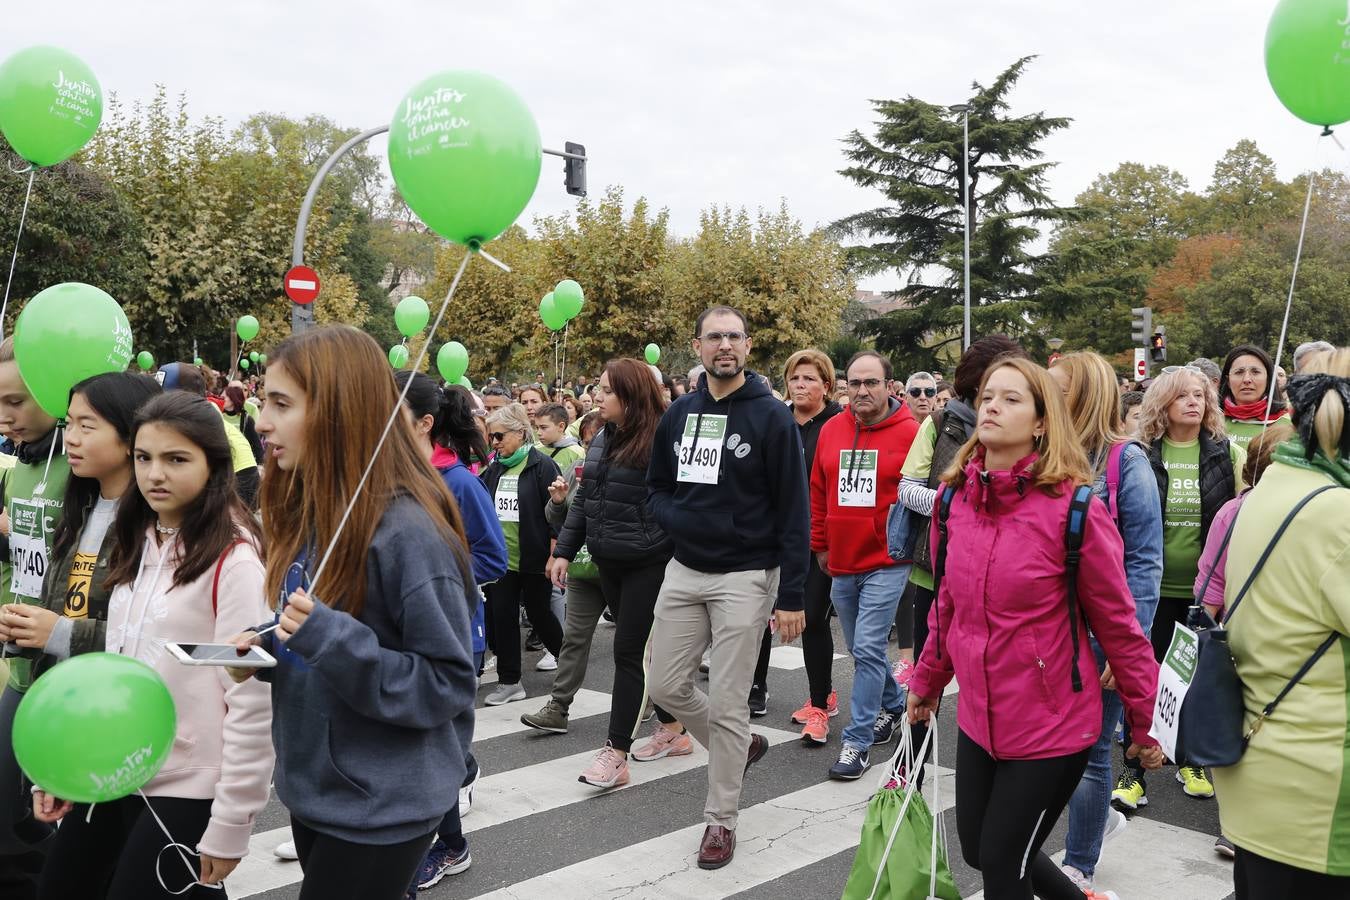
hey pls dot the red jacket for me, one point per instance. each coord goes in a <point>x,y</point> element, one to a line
<point>855,536</point>
<point>1001,621</point>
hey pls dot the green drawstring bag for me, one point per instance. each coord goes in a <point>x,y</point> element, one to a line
<point>903,851</point>
<point>583,567</point>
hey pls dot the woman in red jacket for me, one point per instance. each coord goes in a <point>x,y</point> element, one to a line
<point>1001,625</point>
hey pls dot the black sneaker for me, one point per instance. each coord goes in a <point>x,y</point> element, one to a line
<point>851,764</point>
<point>884,729</point>
<point>532,642</point>
<point>759,701</point>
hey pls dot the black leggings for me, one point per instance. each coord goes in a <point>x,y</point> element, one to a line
<point>630,590</point>
<point>1005,809</point>
<point>1258,878</point>
<point>817,639</point>
<point>504,599</point>
<point>337,868</point>
<point>904,619</point>
<point>115,853</point>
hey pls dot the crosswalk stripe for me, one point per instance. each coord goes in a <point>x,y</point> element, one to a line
<point>495,721</point>
<point>773,838</point>
<point>790,657</point>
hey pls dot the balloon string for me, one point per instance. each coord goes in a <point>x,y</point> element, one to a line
<point>192,873</point>
<point>394,415</point>
<point>57,434</point>
<point>562,373</point>
<point>1298,255</point>
<point>23,217</point>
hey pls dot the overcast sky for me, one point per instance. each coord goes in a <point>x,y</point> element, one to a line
<point>695,103</point>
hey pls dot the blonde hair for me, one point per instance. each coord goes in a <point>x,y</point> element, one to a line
<point>512,417</point>
<point>1060,456</point>
<point>1329,424</point>
<point>819,360</point>
<point>1094,403</point>
<point>1153,419</point>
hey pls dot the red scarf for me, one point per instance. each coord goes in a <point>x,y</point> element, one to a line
<point>1254,411</point>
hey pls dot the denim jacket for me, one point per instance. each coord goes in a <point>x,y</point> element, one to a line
<point>1140,524</point>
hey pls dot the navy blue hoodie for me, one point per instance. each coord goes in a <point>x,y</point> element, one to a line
<point>758,514</point>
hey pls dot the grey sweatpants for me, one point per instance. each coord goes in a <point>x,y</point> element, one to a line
<point>585,603</point>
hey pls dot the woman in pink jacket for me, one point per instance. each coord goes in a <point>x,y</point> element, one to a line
<point>186,568</point>
<point>1001,626</point>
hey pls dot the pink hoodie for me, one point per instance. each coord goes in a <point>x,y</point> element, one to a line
<point>223,747</point>
<point>1001,622</point>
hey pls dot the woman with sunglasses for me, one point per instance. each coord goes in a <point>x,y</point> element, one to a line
<point>1245,384</point>
<point>518,479</point>
<point>1198,470</point>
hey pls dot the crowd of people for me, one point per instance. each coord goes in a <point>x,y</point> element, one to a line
<point>1034,534</point>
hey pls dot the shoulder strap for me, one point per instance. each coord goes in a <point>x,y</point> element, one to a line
<point>945,493</point>
<point>1074,528</point>
<point>215,583</point>
<point>1298,676</point>
<point>1227,536</point>
<point>1279,532</point>
<point>1114,457</point>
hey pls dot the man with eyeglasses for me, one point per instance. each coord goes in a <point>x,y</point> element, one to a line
<point>854,480</point>
<point>920,394</point>
<point>727,482</point>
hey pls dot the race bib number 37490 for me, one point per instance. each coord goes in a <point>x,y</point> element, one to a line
<point>700,455</point>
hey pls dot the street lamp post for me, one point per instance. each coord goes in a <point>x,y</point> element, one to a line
<point>964,110</point>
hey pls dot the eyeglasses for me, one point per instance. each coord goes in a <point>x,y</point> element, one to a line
<point>497,436</point>
<point>1252,372</point>
<point>1168,370</point>
<point>716,337</point>
<point>923,392</point>
<point>870,383</point>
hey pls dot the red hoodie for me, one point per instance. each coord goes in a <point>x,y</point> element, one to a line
<point>854,531</point>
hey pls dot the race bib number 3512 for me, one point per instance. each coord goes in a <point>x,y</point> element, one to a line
<point>700,455</point>
<point>507,499</point>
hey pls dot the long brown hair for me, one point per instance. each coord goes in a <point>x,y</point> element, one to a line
<point>632,382</point>
<point>349,394</point>
<point>214,521</point>
<point>1060,456</point>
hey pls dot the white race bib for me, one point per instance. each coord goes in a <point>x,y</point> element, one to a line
<point>27,548</point>
<point>507,499</point>
<point>700,460</point>
<point>857,478</point>
<point>1174,680</point>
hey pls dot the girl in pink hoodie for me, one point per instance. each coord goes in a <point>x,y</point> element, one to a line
<point>186,568</point>
<point>1000,625</point>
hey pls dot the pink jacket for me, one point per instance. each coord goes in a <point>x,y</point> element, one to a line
<point>1212,559</point>
<point>223,747</point>
<point>1001,622</point>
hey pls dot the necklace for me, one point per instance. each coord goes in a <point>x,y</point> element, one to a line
<point>164,529</point>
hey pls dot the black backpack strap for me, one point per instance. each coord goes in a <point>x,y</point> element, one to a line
<point>1227,536</point>
<point>945,493</point>
<point>1298,676</point>
<point>1256,570</point>
<point>1073,546</point>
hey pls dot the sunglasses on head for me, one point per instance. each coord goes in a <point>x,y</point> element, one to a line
<point>1168,370</point>
<point>923,392</point>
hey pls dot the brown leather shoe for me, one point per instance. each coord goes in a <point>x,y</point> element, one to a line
<point>716,848</point>
<point>759,745</point>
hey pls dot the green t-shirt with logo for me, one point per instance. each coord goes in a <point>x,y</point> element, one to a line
<point>506,499</point>
<point>1181,517</point>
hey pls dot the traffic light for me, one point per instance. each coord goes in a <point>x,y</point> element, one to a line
<point>1157,347</point>
<point>1141,325</point>
<point>574,169</point>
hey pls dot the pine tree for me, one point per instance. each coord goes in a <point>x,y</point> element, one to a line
<point>914,159</point>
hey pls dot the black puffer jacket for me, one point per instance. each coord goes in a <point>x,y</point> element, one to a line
<point>1217,478</point>
<point>609,513</point>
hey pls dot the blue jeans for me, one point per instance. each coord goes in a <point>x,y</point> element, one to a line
<point>866,605</point>
<point>1091,801</point>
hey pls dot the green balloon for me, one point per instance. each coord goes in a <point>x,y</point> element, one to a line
<point>549,312</point>
<point>1305,62</point>
<point>465,382</point>
<point>411,315</point>
<point>246,328</point>
<point>452,361</point>
<point>567,296</point>
<point>145,360</point>
<point>398,356</point>
<point>253,356</point>
<point>95,728</point>
<point>652,353</point>
<point>243,363</point>
<point>262,358</point>
<point>65,334</point>
<point>465,153</point>
<point>50,104</point>
<point>197,361</point>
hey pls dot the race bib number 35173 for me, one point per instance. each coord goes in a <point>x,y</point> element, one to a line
<point>700,455</point>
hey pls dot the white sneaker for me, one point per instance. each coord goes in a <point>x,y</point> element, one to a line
<point>286,851</point>
<point>466,794</point>
<point>490,665</point>
<point>505,693</point>
<point>1080,881</point>
<point>1115,824</point>
<point>547,663</point>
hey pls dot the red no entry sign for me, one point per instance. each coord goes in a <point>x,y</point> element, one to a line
<point>301,284</point>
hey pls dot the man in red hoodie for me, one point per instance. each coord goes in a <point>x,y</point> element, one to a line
<point>854,479</point>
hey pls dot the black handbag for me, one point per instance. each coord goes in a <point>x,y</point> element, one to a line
<point>1210,729</point>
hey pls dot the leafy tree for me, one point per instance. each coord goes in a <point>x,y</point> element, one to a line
<point>915,160</point>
